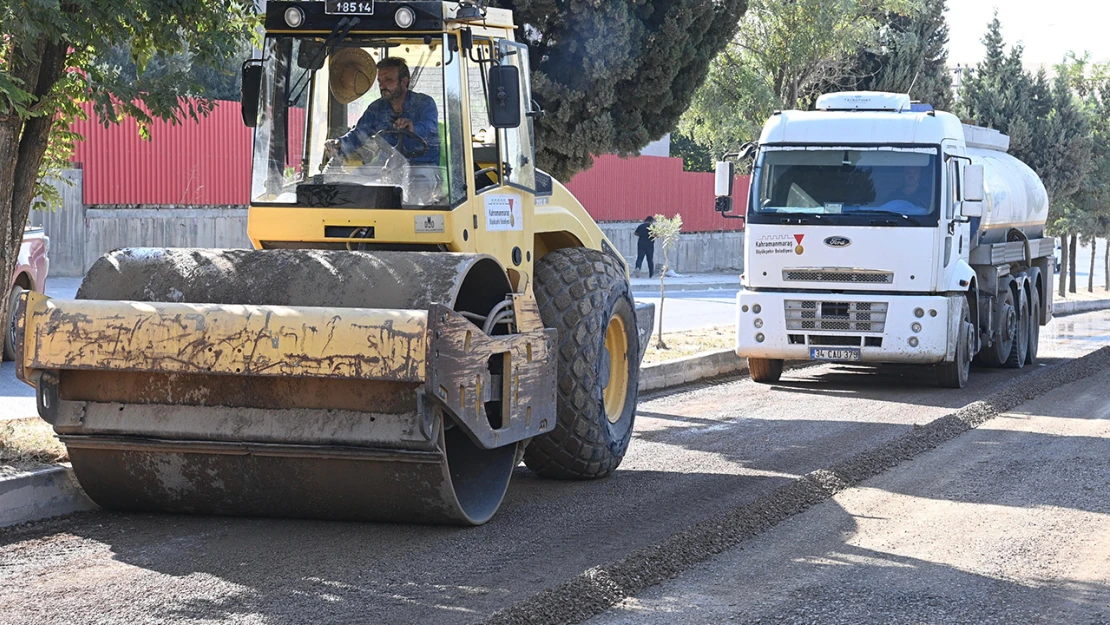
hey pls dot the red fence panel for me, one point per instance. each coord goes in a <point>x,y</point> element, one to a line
<point>629,189</point>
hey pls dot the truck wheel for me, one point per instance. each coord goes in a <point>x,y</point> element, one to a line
<point>765,370</point>
<point>1003,333</point>
<point>9,336</point>
<point>1020,349</point>
<point>584,294</point>
<point>954,374</point>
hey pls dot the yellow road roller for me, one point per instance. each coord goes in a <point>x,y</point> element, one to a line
<point>422,308</point>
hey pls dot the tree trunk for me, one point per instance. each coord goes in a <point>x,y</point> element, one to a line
<point>662,297</point>
<point>23,143</point>
<point>1063,265</point>
<point>1071,262</point>
<point>1091,276</point>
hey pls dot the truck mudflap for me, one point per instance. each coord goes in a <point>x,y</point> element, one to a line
<point>404,414</point>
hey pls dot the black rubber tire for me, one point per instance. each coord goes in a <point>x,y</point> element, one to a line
<point>955,374</point>
<point>765,370</point>
<point>578,291</point>
<point>9,333</point>
<point>1034,324</point>
<point>998,352</point>
<point>1018,352</point>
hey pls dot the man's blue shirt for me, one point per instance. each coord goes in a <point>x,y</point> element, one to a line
<point>418,107</point>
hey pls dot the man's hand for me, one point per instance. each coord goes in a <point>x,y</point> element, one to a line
<point>331,148</point>
<point>403,124</point>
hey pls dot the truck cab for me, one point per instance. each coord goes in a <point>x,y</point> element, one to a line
<point>863,224</point>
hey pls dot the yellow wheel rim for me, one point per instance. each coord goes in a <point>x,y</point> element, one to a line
<point>616,391</point>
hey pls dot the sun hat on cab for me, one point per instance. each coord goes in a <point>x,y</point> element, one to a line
<point>351,74</point>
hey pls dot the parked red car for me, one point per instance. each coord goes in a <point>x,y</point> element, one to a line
<point>30,275</point>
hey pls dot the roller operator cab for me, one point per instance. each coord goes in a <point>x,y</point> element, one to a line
<point>423,307</point>
<point>883,231</point>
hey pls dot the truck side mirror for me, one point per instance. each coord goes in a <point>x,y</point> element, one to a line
<point>722,186</point>
<point>504,96</point>
<point>974,189</point>
<point>250,91</point>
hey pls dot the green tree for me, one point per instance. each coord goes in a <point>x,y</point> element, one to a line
<point>217,83</point>
<point>911,56</point>
<point>48,67</point>
<point>695,156</point>
<point>1048,127</point>
<point>614,76</point>
<point>784,53</point>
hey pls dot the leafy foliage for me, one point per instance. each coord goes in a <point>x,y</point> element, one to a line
<point>911,56</point>
<point>784,53</point>
<point>695,156</point>
<point>614,76</point>
<point>49,66</point>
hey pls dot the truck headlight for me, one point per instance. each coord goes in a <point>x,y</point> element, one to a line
<point>757,309</point>
<point>918,312</point>
<point>916,327</point>
<point>759,323</point>
<point>759,338</point>
<point>913,341</point>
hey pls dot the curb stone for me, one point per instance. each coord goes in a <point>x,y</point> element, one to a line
<point>1063,309</point>
<point>691,369</point>
<point>40,494</point>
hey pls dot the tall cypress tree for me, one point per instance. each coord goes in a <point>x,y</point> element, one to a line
<point>911,57</point>
<point>614,76</point>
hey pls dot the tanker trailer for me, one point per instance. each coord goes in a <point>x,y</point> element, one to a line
<point>883,231</point>
<point>422,307</point>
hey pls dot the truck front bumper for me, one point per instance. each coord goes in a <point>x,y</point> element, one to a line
<point>883,328</point>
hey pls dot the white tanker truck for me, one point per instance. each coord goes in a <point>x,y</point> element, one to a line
<point>879,230</point>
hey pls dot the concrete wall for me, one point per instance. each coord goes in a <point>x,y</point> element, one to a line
<point>695,253</point>
<point>79,234</point>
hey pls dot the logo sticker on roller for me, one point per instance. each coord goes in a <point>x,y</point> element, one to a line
<point>429,223</point>
<point>504,212</point>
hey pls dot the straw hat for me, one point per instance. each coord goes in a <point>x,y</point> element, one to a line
<point>352,73</point>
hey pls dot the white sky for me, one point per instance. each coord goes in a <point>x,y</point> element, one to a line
<point>1047,29</point>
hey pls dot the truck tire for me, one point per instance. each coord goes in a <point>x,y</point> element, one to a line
<point>585,295</point>
<point>998,352</point>
<point>1034,323</point>
<point>1020,348</point>
<point>765,370</point>
<point>954,374</point>
<point>9,334</point>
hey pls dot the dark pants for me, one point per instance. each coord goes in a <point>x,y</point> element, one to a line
<point>646,251</point>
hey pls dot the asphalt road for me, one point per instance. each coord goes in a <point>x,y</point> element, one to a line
<point>691,310</point>
<point>697,454</point>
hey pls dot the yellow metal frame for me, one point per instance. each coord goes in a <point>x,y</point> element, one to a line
<point>550,222</point>
<point>363,343</point>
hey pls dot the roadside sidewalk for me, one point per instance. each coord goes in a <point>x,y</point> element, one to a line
<point>643,285</point>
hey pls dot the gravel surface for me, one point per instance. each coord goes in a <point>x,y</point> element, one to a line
<point>1007,524</point>
<point>699,456</point>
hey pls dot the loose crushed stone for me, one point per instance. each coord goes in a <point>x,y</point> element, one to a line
<point>600,588</point>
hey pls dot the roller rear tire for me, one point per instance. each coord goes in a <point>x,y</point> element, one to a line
<point>585,295</point>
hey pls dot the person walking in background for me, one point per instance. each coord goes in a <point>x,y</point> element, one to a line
<point>645,246</point>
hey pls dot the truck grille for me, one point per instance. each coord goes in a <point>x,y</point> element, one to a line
<point>853,276</point>
<point>836,316</point>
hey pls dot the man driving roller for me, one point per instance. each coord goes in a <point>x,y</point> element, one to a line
<point>398,109</point>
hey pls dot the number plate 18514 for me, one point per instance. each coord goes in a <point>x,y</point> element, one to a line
<point>834,353</point>
<point>349,7</point>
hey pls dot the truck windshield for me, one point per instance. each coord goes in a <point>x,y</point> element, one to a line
<point>847,181</point>
<point>330,132</point>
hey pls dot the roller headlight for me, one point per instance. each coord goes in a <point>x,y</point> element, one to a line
<point>405,17</point>
<point>294,17</point>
